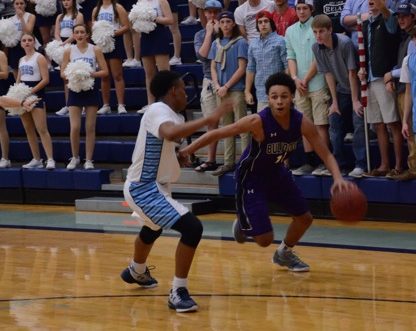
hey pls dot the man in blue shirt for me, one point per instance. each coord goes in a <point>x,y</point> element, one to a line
<point>266,56</point>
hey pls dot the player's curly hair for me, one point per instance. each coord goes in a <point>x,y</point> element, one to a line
<point>280,78</point>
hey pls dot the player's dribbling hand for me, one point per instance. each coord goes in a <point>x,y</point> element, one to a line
<point>341,185</point>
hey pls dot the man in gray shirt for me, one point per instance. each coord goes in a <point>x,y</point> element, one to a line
<point>336,59</point>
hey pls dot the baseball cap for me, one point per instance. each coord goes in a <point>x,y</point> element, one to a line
<point>213,4</point>
<point>304,2</point>
<point>404,7</point>
<point>226,14</point>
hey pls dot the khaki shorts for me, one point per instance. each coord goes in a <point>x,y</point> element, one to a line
<point>314,106</point>
<point>381,106</point>
<point>208,98</point>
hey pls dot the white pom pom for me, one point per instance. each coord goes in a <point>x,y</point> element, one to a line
<point>142,16</point>
<point>103,35</point>
<point>199,3</point>
<point>45,7</point>
<point>19,91</point>
<point>9,35</point>
<point>79,77</point>
<point>55,50</point>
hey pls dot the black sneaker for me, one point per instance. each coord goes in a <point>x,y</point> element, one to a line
<point>144,279</point>
<point>181,301</point>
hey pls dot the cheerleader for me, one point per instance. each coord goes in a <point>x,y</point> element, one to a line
<point>111,11</point>
<point>45,23</point>
<point>65,22</point>
<point>83,51</point>
<point>4,135</point>
<point>155,45</point>
<point>25,22</point>
<point>131,40</point>
<point>33,71</point>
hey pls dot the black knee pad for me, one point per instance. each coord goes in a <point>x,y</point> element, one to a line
<point>148,236</point>
<point>190,227</point>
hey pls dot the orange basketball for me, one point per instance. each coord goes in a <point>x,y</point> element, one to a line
<point>349,205</point>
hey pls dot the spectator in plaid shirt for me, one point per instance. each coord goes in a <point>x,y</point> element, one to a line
<point>266,56</point>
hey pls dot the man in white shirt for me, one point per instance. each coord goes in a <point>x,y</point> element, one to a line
<point>245,16</point>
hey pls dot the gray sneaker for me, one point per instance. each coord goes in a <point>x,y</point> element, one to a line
<point>306,169</point>
<point>144,280</point>
<point>289,259</point>
<point>239,236</point>
<point>222,170</point>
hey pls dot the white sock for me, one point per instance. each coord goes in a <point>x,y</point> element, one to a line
<point>283,247</point>
<point>179,282</point>
<point>138,268</point>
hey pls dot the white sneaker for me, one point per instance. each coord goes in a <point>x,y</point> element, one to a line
<point>318,170</point>
<point>143,110</point>
<point>88,165</point>
<point>50,164</point>
<point>131,63</point>
<point>136,63</point>
<point>190,20</point>
<point>73,163</point>
<point>121,109</point>
<point>33,164</point>
<point>357,172</point>
<point>306,169</point>
<point>5,163</point>
<point>63,111</point>
<point>175,61</point>
<point>105,109</point>
<point>127,63</point>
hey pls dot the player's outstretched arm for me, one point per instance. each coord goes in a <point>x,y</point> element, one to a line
<point>251,123</point>
<point>175,132</point>
<point>311,133</point>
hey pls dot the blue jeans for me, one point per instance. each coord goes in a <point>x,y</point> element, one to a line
<point>338,125</point>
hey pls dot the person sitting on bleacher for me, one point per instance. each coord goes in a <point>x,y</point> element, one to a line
<point>65,22</point>
<point>202,43</point>
<point>228,57</point>
<point>33,71</point>
<point>83,51</point>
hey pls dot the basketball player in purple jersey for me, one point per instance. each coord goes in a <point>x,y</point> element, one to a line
<point>261,175</point>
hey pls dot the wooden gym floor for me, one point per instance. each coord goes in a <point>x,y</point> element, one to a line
<point>59,270</point>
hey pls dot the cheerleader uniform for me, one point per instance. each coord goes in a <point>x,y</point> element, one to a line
<point>67,24</point>
<point>157,41</point>
<point>107,14</point>
<point>49,21</point>
<point>16,52</point>
<point>90,97</point>
<point>30,75</point>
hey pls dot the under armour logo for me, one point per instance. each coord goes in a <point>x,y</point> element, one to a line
<point>250,191</point>
<point>274,134</point>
